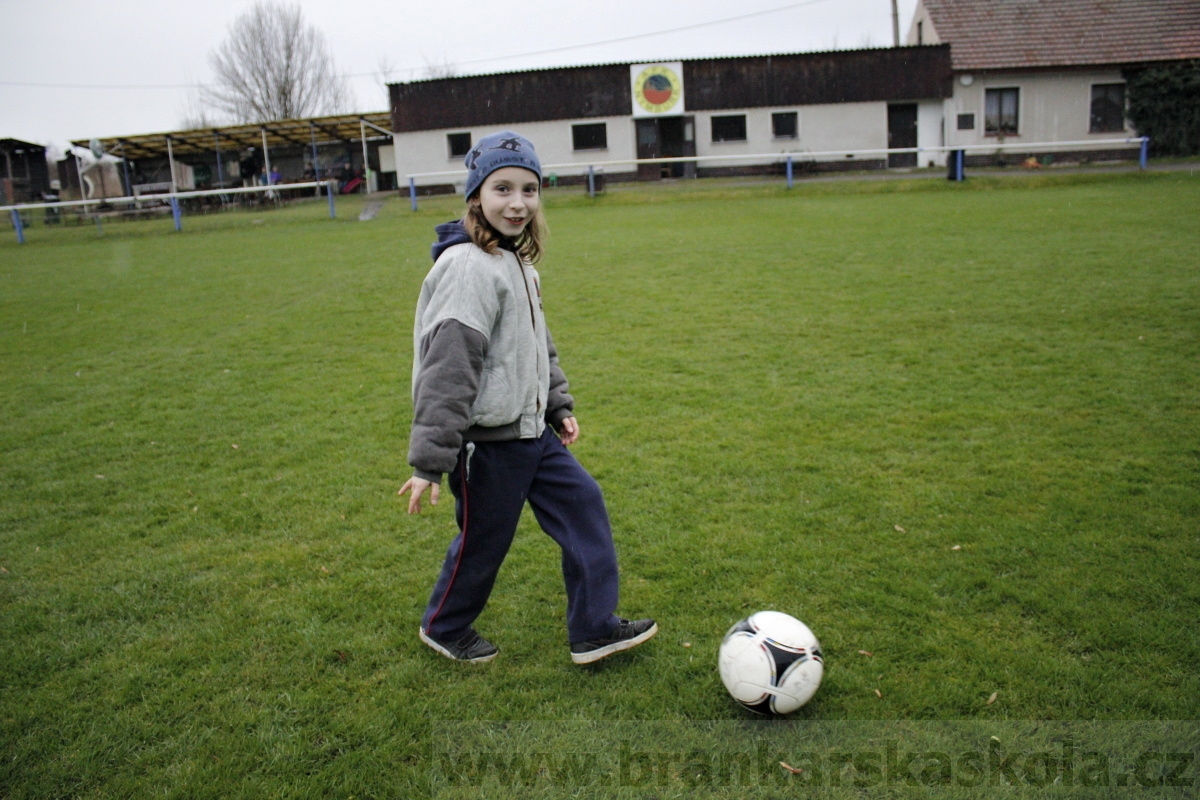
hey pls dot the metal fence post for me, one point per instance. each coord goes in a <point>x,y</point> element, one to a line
<point>591,181</point>
<point>176,214</point>
<point>331,187</point>
<point>789,172</point>
<point>412,192</point>
<point>1144,157</point>
<point>17,225</point>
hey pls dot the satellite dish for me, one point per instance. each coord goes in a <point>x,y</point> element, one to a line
<point>98,151</point>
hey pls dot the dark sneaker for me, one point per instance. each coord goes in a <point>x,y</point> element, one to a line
<point>626,635</point>
<point>471,647</point>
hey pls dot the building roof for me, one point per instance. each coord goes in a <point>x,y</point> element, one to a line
<point>281,134</point>
<point>1014,34</point>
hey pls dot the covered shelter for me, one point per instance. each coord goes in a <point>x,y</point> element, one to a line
<point>240,155</point>
<point>24,176</point>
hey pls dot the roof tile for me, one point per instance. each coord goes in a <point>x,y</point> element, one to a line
<point>1011,34</point>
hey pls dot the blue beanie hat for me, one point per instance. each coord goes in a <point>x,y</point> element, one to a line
<point>499,150</point>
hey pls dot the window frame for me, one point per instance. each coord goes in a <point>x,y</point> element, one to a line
<point>1092,107</point>
<point>450,144</point>
<point>1000,130</point>
<point>575,148</point>
<point>795,134</point>
<point>722,117</point>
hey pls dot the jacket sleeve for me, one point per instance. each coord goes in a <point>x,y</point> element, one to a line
<point>443,392</point>
<point>559,403</point>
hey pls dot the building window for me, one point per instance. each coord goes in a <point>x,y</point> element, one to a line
<point>459,143</point>
<point>729,129</point>
<point>921,33</point>
<point>1001,112</point>
<point>1108,108</point>
<point>783,125</point>
<point>592,136</point>
<point>966,122</point>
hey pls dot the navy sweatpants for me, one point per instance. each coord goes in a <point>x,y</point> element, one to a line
<point>491,483</point>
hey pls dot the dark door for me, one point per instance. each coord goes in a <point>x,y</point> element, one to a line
<point>902,132</point>
<point>689,145</point>
<point>670,137</point>
<point>666,137</point>
<point>648,147</point>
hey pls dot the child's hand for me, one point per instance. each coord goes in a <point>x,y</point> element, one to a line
<point>418,486</point>
<point>570,431</point>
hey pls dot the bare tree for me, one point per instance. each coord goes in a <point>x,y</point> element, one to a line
<point>274,66</point>
<point>443,68</point>
<point>383,76</point>
<point>196,114</point>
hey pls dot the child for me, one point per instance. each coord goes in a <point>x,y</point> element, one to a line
<point>489,397</point>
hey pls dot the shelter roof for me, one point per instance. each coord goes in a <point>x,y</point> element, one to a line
<point>16,144</point>
<point>1014,34</point>
<point>281,134</point>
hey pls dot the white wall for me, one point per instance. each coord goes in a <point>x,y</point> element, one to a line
<point>429,151</point>
<point>931,133</point>
<point>387,158</point>
<point>836,127</point>
<point>921,31</point>
<point>1053,106</point>
<point>820,128</point>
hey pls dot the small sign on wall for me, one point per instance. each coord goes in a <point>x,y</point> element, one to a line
<point>657,89</point>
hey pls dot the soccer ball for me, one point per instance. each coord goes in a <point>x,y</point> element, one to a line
<point>771,663</point>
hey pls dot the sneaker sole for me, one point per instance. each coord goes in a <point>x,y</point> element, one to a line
<point>593,656</point>
<point>481,660</point>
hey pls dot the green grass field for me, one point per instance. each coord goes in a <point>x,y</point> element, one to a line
<point>956,427</point>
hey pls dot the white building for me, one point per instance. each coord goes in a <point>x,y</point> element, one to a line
<point>1034,71</point>
<point>733,115</point>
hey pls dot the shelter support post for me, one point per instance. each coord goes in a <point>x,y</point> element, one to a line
<point>128,177</point>
<point>171,162</point>
<point>220,169</point>
<point>79,174</point>
<point>362,132</point>
<point>266,157</point>
<point>312,135</point>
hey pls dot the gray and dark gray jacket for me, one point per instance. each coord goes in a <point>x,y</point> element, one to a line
<point>484,364</point>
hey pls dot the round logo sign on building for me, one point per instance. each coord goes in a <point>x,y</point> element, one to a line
<point>658,89</point>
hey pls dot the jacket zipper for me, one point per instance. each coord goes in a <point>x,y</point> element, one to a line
<point>528,297</point>
<point>532,315</point>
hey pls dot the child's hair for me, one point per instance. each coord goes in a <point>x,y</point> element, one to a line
<point>528,245</point>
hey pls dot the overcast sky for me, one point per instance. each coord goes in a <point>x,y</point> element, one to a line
<point>123,67</point>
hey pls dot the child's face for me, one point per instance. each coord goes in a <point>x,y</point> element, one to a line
<point>509,198</point>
